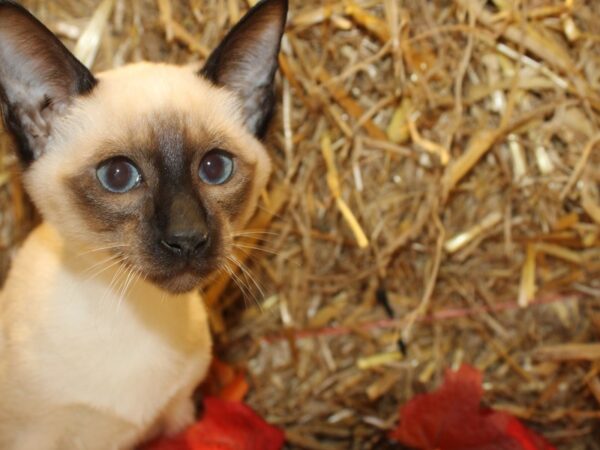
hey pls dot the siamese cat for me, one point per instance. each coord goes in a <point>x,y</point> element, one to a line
<point>142,175</point>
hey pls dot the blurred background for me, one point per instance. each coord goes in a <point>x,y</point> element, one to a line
<point>435,200</point>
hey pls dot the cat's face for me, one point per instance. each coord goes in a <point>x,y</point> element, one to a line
<point>157,163</point>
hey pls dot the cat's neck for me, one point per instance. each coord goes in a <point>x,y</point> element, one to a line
<point>88,272</point>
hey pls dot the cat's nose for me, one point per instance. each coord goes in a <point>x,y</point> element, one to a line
<point>186,243</point>
<point>184,231</point>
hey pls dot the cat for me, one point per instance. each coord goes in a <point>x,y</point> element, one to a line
<point>142,175</point>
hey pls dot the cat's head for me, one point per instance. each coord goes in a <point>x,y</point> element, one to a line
<point>161,163</point>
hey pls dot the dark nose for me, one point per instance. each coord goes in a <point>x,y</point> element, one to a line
<point>186,244</point>
<point>185,230</point>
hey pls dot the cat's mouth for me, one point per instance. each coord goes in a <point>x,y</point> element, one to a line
<point>179,280</point>
<point>173,278</point>
<point>178,283</point>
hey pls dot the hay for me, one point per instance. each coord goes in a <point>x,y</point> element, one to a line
<point>462,142</point>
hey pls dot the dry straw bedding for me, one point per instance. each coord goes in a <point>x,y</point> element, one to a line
<point>435,201</point>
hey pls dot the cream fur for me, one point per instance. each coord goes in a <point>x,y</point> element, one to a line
<point>84,362</point>
<point>79,359</point>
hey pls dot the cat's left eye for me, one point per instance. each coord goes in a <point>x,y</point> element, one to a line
<point>118,175</point>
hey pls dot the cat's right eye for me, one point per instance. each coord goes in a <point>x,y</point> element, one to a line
<point>118,175</point>
<point>216,167</point>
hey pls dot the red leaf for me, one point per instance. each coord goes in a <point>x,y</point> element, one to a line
<point>527,438</point>
<point>451,418</point>
<point>225,425</point>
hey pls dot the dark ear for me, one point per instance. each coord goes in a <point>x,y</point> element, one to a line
<point>246,61</point>
<point>38,79</point>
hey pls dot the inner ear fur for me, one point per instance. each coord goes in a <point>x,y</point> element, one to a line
<point>39,77</point>
<point>246,61</point>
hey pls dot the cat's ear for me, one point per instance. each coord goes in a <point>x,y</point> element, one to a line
<point>39,78</point>
<point>246,61</point>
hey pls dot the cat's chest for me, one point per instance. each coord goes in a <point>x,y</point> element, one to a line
<point>121,349</point>
<point>138,351</point>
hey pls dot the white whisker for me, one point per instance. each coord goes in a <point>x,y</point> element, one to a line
<point>272,213</point>
<point>99,249</point>
<point>246,271</point>
<point>254,247</point>
<point>113,280</point>
<point>113,259</point>
<point>254,233</point>
<point>246,293</point>
<point>131,275</point>
<point>248,275</point>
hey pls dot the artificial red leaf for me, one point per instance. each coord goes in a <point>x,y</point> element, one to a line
<point>451,418</point>
<point>527,438</point>
<point>225,425</point>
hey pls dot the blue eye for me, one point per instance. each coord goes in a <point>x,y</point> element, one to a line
<point>118,175</point>
<point>216,167</point>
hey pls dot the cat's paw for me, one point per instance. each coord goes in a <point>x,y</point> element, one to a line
<point>180,415</point>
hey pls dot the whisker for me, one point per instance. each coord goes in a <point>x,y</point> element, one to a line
<point>253,241</point>
<point>246,271</point>
<point>244,246</point>
<point>104,269</point>
<point>99,263</point>
<point>272,213</point>
<point>230,273</point>
<point>163,297</point>
<point>246,292</point>
<point>119,289</point>
<point>254,247</point>
<point>121,269</point>
<point>130,281</point>
<point>236,279</point>
<point>254,233</point>
<point>99,249</point>
<point>124,288</point>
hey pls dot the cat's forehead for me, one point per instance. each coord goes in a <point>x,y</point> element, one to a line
<point>154,86</point>
<point>145,104</point>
